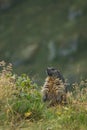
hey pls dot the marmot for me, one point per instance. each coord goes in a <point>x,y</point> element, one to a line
<point>54,89</point>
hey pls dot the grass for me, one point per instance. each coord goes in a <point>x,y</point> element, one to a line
<point>21,106</point>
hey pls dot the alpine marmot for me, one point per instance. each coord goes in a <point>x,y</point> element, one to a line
<point>54,89</point>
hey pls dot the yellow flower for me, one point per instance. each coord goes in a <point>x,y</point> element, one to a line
<point>58,113</point>
<point>27,114</point>
<point>66,108</point>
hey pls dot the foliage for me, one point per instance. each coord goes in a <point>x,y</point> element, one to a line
<point>19,97</point>
<point>20,102</point>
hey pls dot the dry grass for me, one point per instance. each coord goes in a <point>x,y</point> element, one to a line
<point>19,98</point>
<point>7,82</point>
<point>78,95</point>
<point>20,104</point>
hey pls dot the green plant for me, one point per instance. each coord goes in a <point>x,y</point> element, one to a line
<point>19,98</point>
<point>20,101</point>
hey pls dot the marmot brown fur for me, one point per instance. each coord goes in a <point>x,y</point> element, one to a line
<point>54,88</point>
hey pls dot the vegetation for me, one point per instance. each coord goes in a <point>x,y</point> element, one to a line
<point>21,105</point>
<point>35,34</point>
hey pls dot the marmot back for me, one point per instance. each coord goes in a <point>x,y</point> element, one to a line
<point>54,89</point>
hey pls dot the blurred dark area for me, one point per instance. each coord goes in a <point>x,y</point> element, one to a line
<point>36,34</point>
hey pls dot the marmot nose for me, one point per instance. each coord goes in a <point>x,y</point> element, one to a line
<point>49,72</point>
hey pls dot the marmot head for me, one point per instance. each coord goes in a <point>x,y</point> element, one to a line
<point>53,72</point>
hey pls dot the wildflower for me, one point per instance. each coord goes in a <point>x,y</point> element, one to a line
<point>27,114</point>
<point>58,113</point>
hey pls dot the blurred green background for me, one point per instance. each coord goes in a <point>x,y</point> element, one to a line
<point>35,34</point>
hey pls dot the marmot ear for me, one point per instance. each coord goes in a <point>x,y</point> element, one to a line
<point>60,75</point>
<point>58,72</point>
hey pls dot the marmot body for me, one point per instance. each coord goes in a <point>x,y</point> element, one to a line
<point>54,89</point>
